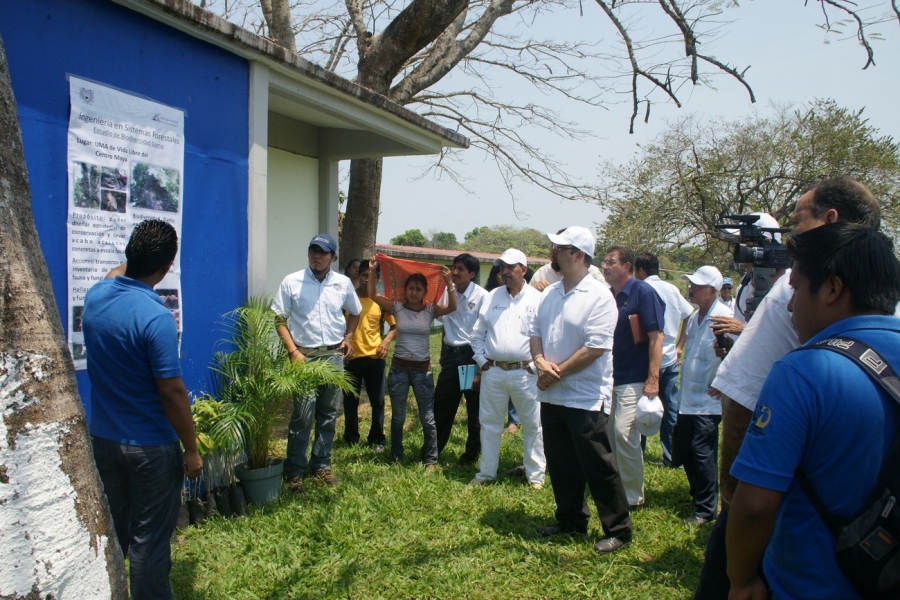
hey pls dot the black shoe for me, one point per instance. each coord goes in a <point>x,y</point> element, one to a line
<point>635,507</point>
<point>558,530</point>
<point>516,472</point>
<point>465,461</point>
<point>611,544</point>
<point>697,521</point>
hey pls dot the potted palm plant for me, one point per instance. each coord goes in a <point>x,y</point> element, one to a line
<point>255,379</point>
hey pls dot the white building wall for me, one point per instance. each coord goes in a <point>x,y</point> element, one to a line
<point>293,213</point>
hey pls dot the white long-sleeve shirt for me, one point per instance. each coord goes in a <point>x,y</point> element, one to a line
<point>503,328</point>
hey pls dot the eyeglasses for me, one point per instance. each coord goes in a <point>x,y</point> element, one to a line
<point>697,286</point>
<point>610,262</point>
<point>557,247</point>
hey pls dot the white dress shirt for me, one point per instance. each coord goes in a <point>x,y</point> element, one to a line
<point>458,324</point>
<point>503,329</point>
<point>314,309</point>
<point>586,316</point>
<point>677,310</point>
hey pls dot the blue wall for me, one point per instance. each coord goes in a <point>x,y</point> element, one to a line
<point>99,40</point>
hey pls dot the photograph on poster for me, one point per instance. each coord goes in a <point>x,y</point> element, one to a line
<point>79,352</point>
<point>76,318</point>
<point>114,178</point>
<point>113,201</point>
<point>156,188</point>
<point>87,185</point>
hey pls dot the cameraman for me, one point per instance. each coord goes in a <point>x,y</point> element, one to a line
<point>768,336</point>
<point>747,289</point>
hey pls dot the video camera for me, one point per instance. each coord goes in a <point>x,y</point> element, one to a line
<point>753,246</point>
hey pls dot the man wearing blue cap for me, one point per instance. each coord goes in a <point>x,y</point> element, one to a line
<point>310,305</point>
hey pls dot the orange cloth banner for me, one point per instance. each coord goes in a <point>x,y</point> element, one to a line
<point>394,272</point>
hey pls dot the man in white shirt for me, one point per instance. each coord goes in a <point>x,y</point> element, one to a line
<point>501,339</point>
<point>725,294</point>
<point>310,307</point>
<point>699,414</point>
<point>456,351</point>
<point>571,345</point>
<point>550,272</point>
<point>768,336</point>
<point>646,268</point>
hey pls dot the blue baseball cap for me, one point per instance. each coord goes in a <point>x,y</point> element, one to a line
<point>324,241</point>
<point>727,281</point>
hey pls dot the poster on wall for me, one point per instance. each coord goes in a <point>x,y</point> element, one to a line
<point>126,165</point>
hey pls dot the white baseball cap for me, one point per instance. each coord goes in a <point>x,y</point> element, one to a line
<point>512,257</point>
<point>580,237</point>
<point>706,275</point>
<point>648,415</point>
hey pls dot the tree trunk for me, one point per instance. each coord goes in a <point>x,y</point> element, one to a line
<point>363,208</point>
<point>56,533</point>
<point>277,14</point>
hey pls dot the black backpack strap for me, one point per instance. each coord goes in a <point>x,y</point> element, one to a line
<point>883,374</point>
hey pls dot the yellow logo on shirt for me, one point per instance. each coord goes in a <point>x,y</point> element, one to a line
<point>765,415</point>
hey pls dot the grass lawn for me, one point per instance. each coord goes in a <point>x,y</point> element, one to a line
<point>391,531</point>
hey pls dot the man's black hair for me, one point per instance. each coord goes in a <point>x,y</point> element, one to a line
<point>152,247</point>
<point>624,254</point>
<point>648,262</point>
<point>468,261</point>
<point>852,200</point>
<point>860,256</point>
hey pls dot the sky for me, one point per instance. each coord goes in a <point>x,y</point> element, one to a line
<point>790,62</point>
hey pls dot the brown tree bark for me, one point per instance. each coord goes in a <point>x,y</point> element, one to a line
<point>56,532</point>
<point>363,208</point>
<point>277,14</point>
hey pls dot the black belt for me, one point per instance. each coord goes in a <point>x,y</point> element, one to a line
<point>317,349</point>
<point>457,349</point>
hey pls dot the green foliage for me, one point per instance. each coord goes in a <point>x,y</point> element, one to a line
<point>501,237</point>
<point>257,378</point>
<point>411,237</point>
<point>674,192</point>
<point>391,531</point>
<point>476,232</point>
<point>444,241</point>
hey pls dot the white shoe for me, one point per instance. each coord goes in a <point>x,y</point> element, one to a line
<point>537,485</point>
<point>478,481</point>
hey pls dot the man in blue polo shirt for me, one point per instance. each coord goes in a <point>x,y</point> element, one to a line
<point>635,364</point>
<point>819,412</point>
<point>139,406</point>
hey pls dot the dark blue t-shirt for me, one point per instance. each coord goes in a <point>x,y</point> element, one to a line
<point>131,340</point>
<point>631,364</point>
<point>820,411</point>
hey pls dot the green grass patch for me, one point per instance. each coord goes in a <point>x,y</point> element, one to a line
<point>393,531</point>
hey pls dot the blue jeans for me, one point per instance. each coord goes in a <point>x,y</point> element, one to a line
<point>668,394</point>
<point>322,408</point>
<point>513,415</point>
<point>143,487</point>
<point>399,382</point>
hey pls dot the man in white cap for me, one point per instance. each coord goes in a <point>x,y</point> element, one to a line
<point>571,344</point>
<point>550,272</point>
<point>636,362</point>
<point>500,340</point>
<point>725,294</point>
<point>699,415</point>
<point>310,307</point>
